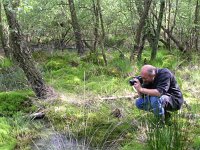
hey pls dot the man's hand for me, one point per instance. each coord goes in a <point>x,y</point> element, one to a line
<point>137,85</point>
<point>141,90</point>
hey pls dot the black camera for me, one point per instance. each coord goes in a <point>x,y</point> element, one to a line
<point>132,81</point>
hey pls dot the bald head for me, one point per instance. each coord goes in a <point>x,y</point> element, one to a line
<point>148,73</point>
<point>148,69</point>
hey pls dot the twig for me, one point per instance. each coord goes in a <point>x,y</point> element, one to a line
<point>118,97</point>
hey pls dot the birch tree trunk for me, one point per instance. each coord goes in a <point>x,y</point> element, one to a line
<point>4,37</point>
<point>22,55</point>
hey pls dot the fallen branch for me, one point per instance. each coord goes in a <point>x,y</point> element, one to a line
<point>130,97</point>
<point>38,115</point>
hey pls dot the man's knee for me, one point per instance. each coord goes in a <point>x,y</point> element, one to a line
<point>139,103</point>
<point>166,102</point>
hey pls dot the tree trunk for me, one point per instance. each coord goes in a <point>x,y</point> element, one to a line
<point>22,55</point>
<point>196,22</point>
<point>169,34</point>
<point>159,24</point>
<point>168,24</point>
<point>76,28</point>
<point>140,9</point>
<point>148,32</point>
<point>102,41</point>
<point>4,37</point>
<point>178,44</point>
<point>96,25</point>
<point>140,28</point>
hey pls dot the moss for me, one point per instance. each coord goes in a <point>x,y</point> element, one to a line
<point>65,114</point>
<point>11,102</point>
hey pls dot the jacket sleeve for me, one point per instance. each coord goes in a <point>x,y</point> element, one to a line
<point>163,83</point>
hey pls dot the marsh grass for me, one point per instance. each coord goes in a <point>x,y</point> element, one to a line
<point>24,129</point>
<point>95,126</point>
<point>7,141</point>
<point>173,137</point>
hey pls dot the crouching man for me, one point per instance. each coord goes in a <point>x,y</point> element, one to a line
<point>159,91</point>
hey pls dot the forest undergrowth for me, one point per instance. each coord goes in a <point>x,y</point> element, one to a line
<point>80,111</point>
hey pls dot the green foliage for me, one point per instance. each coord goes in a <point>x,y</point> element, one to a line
<point>11,102</point>
<point>11,77</point>
<point>5,63</point>
<point>7,141</point>
<point>176,134</point>
<point>62,115</point>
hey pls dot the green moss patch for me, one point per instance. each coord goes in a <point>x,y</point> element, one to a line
<point>11,102</point>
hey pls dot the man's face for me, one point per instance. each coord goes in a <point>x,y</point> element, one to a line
<point>147,78</point>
